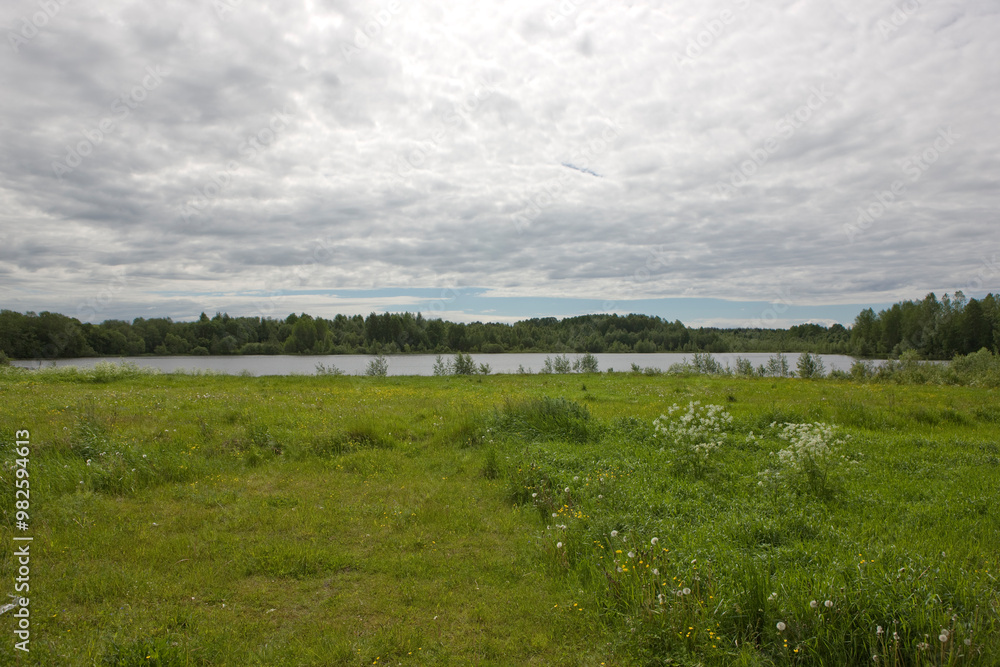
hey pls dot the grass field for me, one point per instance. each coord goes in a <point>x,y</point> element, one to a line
<point>503,520</point>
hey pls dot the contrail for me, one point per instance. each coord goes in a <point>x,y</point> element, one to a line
<point>586,171</point>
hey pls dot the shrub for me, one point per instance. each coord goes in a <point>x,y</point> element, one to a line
<point>561,364</point>
<point>586,364</point>
<point>378,367</point>
<point>744,367</point>
<point>810,366</point>
<point>441,367</point>
<point>777,366</point>
<point>463,365</point>
<point>862,370</point>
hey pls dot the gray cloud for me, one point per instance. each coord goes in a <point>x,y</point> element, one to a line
<point>215,154</point>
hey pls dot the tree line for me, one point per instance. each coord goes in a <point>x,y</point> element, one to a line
<point>935,329</point>
<point>930,328</point>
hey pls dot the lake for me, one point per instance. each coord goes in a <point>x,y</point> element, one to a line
<point>415,364</point>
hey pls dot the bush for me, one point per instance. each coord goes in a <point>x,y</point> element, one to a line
<point>586,364</point>
<point>862,370</point>
<point>441,367</point>
<point>744,367</point>
<point>810,366</point>
<point>777,366</point>
<point>560,364</point>
<point>463,365</point>
<point>378,367</point>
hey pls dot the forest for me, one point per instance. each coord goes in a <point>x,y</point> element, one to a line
<point>931,328</point>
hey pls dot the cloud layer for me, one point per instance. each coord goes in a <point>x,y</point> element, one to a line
<point>176,157</point>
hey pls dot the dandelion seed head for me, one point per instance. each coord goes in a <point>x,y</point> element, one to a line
<point>614,533</point>
<point>654,541</point>
<point>828,604</point>
<point>781,626</point>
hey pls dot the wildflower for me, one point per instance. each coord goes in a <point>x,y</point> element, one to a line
<point>814,604</point>
<point>878,630</point>
<point>654,541</point>
<point>687,591</point>
<point>631,554</point>
<point>828,604</point>
<point>576,478</point>
<point>566,489</point>
<point>554,515</point>
<point>558,545</point>
<point>614,533</point>
<point>600,497</point>
<point>781,626</point>
<point>534,495</point>
<point>656,572</point>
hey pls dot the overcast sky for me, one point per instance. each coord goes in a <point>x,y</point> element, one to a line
<point>721,162</point>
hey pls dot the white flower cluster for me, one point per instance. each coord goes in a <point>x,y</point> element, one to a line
<point>808,444</point>
<point>701,429</point>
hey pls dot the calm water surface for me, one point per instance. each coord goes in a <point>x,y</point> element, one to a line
<point>415,364</point>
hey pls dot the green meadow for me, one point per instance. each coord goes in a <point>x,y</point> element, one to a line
<point>579,519</point>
